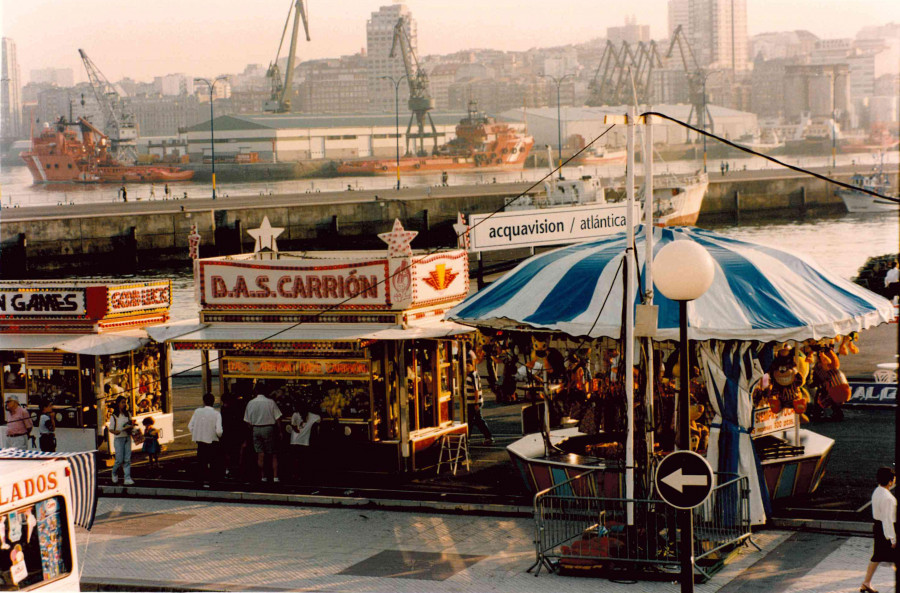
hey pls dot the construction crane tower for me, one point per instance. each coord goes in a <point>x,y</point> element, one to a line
<point>420,100</point>
<point>120,124</point>
<point>281,87</point>
<point>699,114</point>
<point>624,74</point>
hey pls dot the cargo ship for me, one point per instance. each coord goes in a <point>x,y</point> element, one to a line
<point>79,152</point>
<point>481,143</point>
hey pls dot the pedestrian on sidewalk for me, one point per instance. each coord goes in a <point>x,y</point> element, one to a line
<point>47,427</point>
<point>884,513</point>
<point>124,193</point>
<point>18,424</point>
<point>120,426</point>
<point>206,428</point>
<point>303,422</point>
<point>151,443</point>
<point>262,415</point>
<point>475,399</point>
<point>892,281</point>
<point>234,433</point>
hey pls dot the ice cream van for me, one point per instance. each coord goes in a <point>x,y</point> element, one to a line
<point>37,525</point>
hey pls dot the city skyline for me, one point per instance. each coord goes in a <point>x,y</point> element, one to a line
<point>198,37</point>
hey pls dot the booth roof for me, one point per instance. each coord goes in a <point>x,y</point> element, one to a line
<point>91,344</point>
<point>313,332</point>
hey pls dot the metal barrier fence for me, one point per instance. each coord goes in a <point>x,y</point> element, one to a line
<point>574,528</point>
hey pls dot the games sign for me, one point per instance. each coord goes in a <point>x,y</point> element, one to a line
<point>42,301</point>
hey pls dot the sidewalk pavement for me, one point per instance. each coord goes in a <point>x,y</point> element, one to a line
<point>192,545</point>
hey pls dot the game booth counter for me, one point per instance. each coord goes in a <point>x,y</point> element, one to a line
<point>80,345</point>
<point>359,336</point>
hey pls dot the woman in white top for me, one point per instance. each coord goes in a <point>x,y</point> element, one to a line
<point>884,513</point>
<point>121,426</point>
<point>302,423</point>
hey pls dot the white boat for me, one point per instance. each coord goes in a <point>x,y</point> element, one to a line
<point>677,200</point>
<point>563,192</point>
<point>861,202</point>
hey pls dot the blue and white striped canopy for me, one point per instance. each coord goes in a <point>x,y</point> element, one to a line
<point>759,293</point>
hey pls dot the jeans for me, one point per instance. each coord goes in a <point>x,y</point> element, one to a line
<point>477,420</point>
<point>123,456</point>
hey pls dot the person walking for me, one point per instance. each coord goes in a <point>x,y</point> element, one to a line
<point>18,424</point>
<point>124,194</point>
<point>262,415</point>
<point>884,513</point>
<point>47,428</point>
<point>120,426</point>
<point>475,399</point>
<point>206,428</point>
<point>302,423</point>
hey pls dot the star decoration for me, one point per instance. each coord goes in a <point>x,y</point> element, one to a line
<point>398,240</point>
<point>461,228</point>
<point>265,236</point>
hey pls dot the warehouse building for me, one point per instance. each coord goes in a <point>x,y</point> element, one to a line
<point>297,137</point>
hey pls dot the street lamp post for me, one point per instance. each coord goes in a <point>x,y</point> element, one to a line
<point>212,135</point>
<point>396,84</point>
<point>558,82</point>
<point>683,271</point>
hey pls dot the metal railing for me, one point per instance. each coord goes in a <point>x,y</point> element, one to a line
<point>576,528</point>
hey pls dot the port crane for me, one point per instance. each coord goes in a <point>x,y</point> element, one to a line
<point>282,86</point>
<point>618,67</point>
<point>699,114</point>
<point>420,100</point>
<point>120,123</point>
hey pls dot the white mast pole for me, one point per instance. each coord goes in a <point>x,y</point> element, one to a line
<point>629,319</point>
<point>648,272</point>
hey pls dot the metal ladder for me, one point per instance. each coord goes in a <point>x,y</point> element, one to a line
<point>456,447</point>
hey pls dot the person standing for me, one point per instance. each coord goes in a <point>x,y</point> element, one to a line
<point>475,399</point>
<point>234,433</point>
<point>124,194</point>
<point>884,513</point>
<point>18,425</point>
<point>120,426</point>
<point>892,281</point>
<point>206,428</point>
<point>47,428</point>
<point>166,191</point>
<point>262,416</point>
<point>302,423</point>
<point>151,443</point>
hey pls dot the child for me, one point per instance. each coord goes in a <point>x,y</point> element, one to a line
<point>151,442</point>
<point>47,428</point>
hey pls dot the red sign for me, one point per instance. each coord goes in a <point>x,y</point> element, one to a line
<point>358,369</point>
<point>29,487</point>
<point>139,297</point>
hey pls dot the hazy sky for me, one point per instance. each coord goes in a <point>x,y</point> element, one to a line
<point>146,38</point>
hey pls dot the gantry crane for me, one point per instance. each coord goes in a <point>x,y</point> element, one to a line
<point>624,74</point>
<point>420,100</point>
<point>120,124</point>
<point>696,79</point>
<point>280,98</point>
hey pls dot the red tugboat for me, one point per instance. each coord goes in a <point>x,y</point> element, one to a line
<point>59,154</point>
<point>481,143</point>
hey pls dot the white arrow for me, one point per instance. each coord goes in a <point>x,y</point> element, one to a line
<point>678,480</point>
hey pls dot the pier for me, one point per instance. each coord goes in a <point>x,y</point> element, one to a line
<point>127,237</point>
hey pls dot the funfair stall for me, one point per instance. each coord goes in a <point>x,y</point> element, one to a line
<point>80,345</point>
<point>359,336</point>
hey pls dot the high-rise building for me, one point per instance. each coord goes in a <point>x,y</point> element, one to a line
<point>379,39</point>
<point>631,33</point>
<point>679,15</point>
<point>62,77</point>
<point>718,33</point>
<point>10,92</point>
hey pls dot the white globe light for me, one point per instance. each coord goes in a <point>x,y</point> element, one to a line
<point>683,270</point>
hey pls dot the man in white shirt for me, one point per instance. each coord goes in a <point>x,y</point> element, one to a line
<point>262,415</point>
<point>206,428</point>
<point>892,281</point>
<point>884,512</point>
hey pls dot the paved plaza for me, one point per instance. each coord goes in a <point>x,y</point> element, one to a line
<point>198,545</point>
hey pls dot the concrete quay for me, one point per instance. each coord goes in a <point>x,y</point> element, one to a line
<point>127,237</point>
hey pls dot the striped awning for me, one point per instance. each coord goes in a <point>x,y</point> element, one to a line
<point>83,465</point>
<point>758,293</point>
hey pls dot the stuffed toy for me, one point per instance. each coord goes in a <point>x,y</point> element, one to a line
<point>546,358</point>
<point>848,344</point>
<point>787,375</point>
<point>832,386</point>
<point>699,432</point>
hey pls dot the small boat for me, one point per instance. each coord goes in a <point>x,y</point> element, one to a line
<point>861,202</point>
<point>677,202</point>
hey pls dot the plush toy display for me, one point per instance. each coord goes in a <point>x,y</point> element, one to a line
<point>833,388</point>
<point>787,375</point>
<point>544,358</point>
<point>699,432</point>
<point>848,344</point>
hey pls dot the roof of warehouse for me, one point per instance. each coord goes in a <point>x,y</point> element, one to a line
<point>678,111</point>
<point>287,121</point>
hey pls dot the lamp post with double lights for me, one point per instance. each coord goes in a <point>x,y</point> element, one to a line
<point>212,135</point>
<point>558,82</point>
<point>683,272</point>
<point>396,84</point>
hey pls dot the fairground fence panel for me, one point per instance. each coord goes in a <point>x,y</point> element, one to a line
<point>576,528</point>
